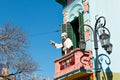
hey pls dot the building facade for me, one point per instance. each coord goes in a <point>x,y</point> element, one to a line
<point>80,65</point>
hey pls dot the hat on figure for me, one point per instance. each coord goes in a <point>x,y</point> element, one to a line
<point>64,34</point>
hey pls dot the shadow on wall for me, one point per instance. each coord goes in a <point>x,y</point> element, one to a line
<point>109,74</point>
<point>104,62</point>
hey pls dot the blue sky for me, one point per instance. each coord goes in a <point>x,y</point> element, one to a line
<point>39,19</point>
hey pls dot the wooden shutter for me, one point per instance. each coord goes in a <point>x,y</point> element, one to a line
<point>71,34</point>
<point>81,27</point>
<point>64,28</point>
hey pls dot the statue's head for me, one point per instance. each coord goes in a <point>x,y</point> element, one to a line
<point>64,36</point>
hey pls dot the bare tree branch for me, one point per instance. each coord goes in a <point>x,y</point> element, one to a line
<point>13,43</point>
<point>12,39</point>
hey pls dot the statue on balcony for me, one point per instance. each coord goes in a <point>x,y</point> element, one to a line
<point>66,44</point>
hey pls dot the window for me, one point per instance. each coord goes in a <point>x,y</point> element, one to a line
<point>75,30</point>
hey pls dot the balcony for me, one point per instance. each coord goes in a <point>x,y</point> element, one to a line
<point>72,64</point>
